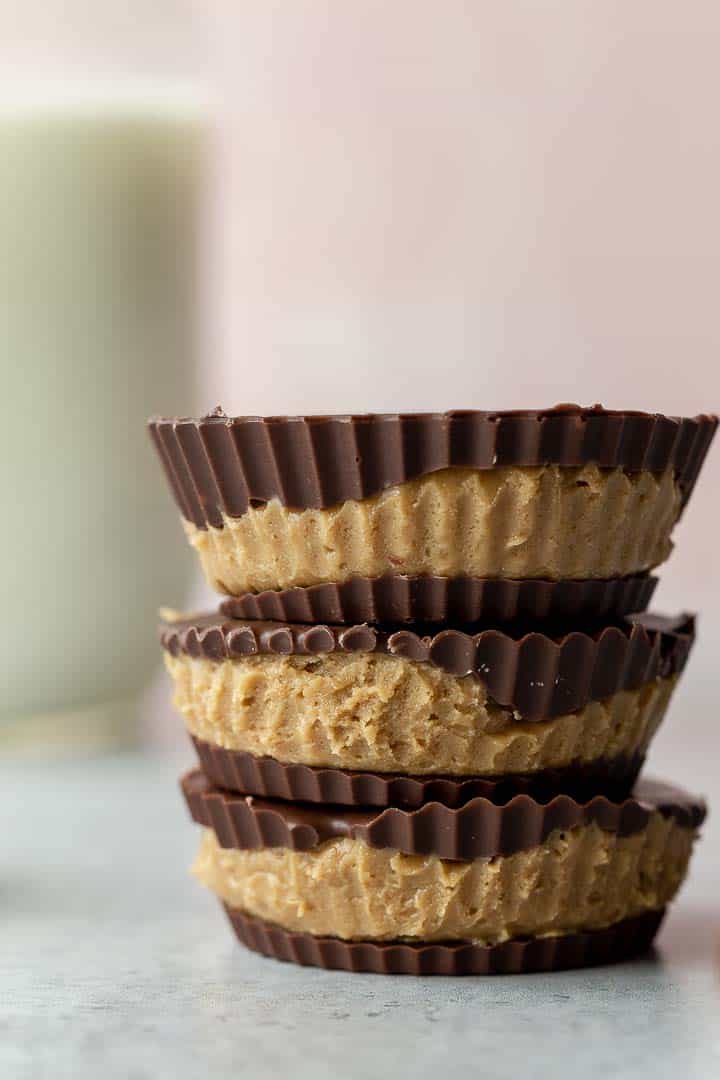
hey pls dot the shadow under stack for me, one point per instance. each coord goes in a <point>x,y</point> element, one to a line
<point>422,707</point>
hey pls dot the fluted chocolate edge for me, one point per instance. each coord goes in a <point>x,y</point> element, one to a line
<point>401,598</point>
<point>615,943</point>
<point>238,770</point>
<point>479,829</point>
<point>537,674</point>
<point>220,466</point>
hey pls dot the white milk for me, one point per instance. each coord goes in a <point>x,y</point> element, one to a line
<point>98,212</point>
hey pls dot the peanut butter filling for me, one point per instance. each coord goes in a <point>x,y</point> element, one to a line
<point>387,714</point>
<point>582,879</point>
<point>510,522</point>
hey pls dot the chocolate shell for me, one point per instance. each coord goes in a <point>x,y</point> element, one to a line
<point>623,940</point>
<point>539,675</point>
<point>479,829</point>
<point>238,770</point>
<point>399,598</point>
<point>220,465</point>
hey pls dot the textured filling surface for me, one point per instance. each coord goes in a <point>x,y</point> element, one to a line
<point>387,714</point>
<point>582,879</point>
<point>512,522</point>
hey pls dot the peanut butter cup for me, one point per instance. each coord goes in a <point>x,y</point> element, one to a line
<point>361,714</point>
<point>480,878</point>
<point>466,502</point>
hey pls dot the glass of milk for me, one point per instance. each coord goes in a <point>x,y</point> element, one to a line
<point>98,220</point>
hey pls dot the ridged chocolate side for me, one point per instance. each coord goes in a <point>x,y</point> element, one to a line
<point>220,465</point>
<point>479,829</point>
<point>398,598</point>
<point>537,674</point>
<point>237,770</point>
<point>625,939</point>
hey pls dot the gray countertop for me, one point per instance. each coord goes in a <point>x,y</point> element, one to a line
<point>116,964</point>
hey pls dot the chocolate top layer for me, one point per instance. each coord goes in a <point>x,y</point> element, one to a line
<point>538,674</point>
<point>219,465</point>
<point>480,829</point>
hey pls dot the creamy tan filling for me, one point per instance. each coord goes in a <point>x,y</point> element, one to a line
<point>547,522</point>
<point>372,711</point>
<point>579,880</point>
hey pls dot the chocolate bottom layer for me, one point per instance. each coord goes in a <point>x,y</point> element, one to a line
<point>237,770</point>
<point>622,941</point>
<point>399,598</point>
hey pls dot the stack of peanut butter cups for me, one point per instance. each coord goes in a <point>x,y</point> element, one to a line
<point>422,707</point>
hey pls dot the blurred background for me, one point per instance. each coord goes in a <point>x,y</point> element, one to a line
<point>308,207</point>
